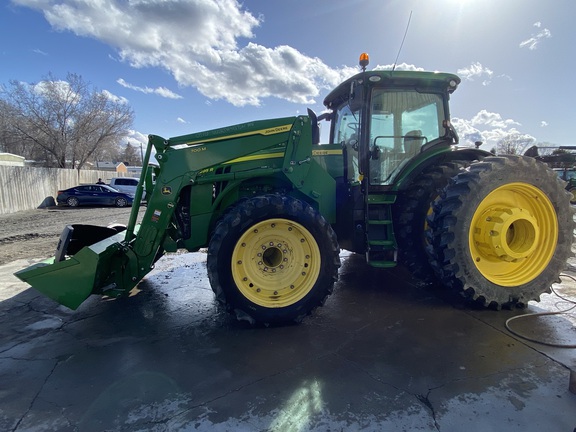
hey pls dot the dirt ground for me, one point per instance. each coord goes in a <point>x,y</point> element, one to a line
<point>35,233</point>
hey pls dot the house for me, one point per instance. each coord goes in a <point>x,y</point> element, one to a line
<point>117,167</point>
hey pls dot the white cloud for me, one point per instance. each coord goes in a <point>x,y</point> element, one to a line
<point>487,127</point>
<point>466,131</point>
<point>181,120</point>
<point>113,97</point>
<point>199,43</point>
<point>136,138</point>
<point>55,88</point>
<point>476,71</point>
<point>533,42</point>
<point>160,91</point>
<point>493,120</point>
<point>401,66</point>
<point>543,123</point>
<point>39,51</point>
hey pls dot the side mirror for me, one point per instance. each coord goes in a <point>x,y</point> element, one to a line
<point>451,132</point>
<point>356,97</point>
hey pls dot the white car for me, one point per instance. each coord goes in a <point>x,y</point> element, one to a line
<point>125,184</point>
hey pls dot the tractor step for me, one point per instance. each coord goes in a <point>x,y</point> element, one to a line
<point>386,243</point>
<point>382,264</point>
<point>381,245</point>
<point>379,222</point>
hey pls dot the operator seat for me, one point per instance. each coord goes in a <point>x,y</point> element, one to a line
<point>413,143</point>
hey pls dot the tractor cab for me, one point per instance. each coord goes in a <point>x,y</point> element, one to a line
<point>384,119</point>
<point>390,124</point>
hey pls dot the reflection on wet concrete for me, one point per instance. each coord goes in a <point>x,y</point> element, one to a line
<point>382,354</point>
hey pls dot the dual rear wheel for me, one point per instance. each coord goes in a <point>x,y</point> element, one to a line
<point>501,231</point>
<point>497,231</point>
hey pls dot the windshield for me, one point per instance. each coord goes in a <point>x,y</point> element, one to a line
<point>401,122</point>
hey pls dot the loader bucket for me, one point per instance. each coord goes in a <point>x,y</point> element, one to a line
<point>89,260</point>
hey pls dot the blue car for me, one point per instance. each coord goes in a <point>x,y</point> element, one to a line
<point>97,195</point>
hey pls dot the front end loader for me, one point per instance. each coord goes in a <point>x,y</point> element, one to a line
<point>198,178</point>
<point>274,207</point>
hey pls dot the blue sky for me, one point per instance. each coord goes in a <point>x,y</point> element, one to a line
<point>189,65</point>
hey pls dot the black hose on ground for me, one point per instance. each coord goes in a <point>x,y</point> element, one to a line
<point>509,320</point>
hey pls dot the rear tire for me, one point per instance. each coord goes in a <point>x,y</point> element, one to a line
<point>73,202</point>
<point>272,260</point>
<point>415,204</point>
<point>501,233</point>
<point>121,202</point>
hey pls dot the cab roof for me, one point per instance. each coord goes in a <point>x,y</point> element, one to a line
<point>395,79</point>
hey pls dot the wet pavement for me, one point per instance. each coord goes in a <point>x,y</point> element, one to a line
<point>381,355</point>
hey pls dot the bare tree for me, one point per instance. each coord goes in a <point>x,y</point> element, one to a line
<point>7,141</point>
<point>514,143</point>
<point>65,121</point>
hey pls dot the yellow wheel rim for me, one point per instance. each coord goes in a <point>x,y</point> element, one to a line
<point>276,263</point>
<point>513,234</point>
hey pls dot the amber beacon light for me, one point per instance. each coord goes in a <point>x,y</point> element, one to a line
<point>364,61</point>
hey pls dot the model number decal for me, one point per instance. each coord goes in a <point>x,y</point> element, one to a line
<point>197,149</point>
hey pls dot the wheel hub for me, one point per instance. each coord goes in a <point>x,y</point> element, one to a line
<point>513,234</point>
<point>276,263</point>
<point>509,234</point>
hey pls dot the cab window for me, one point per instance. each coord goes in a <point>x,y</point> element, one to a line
<point>346,133</point>
<point>401,122</point>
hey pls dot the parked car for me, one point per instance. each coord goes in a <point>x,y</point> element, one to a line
<point>94,195</point>
<point>124,184</point>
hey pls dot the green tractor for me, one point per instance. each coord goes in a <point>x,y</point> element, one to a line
<point>274,207</point>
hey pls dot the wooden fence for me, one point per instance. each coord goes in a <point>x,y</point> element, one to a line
<point>27,188</point>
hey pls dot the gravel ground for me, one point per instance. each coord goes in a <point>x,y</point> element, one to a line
<point>35,233</point>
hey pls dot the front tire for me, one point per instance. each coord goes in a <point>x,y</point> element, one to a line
<point>502,231</point>
<point>272,260</point>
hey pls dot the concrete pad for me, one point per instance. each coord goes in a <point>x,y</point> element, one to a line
<point>382,354</point>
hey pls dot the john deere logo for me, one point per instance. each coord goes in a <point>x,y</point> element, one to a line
<point>166,190</point>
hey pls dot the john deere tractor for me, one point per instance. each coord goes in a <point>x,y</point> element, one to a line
<point>274,207</point>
